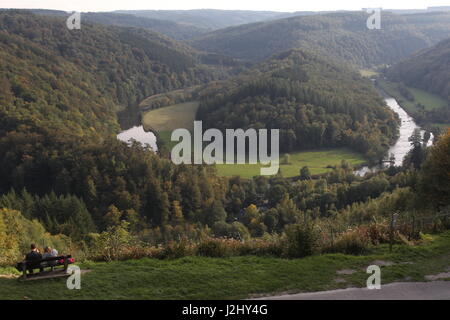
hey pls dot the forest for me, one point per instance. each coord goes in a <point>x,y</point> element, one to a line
<point>314,102</point>
<point>339,35</point>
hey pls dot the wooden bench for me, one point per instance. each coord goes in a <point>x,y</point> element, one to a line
<point>42,264</point>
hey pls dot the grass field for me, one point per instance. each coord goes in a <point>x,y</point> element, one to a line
<point>317,161</point>
<point>170,118</point>
<point>443,126</point>
<point>235,277</point>
<point>368,73</point>
<point>428,100</point>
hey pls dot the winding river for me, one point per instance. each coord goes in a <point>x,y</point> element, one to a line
<point>402,146</point>
<point>398,150</point>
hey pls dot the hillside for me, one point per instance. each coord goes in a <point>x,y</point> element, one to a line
<point>341,35</point>
<point>428,69</point>
<point>422,85</point>
<point>60,91</point>
<point>172,29</point>
<point>207,19</point>
<point>314,102</point>
<point>52,75</point>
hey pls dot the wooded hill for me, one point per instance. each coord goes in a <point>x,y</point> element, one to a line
<point>169,28</point>
<point>59,94</point>
<point>315,102</point>
<point>342,35</point>
<point>75,81</point>
<point>428,69</point>
<point>207,19</point>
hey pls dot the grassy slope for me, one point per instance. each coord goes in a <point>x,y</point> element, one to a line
<point>316,160</point>
<point>166,119</point>
<point>368,73</point>
<point>429,100</point>
<point>172,117</point>
<point>236,277</point>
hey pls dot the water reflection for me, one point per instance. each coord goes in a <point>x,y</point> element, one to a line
<point>139,134</point>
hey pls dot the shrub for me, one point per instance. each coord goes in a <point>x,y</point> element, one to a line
<point>351,242</point>
<point>210,247</point>
<point>176,249</point>
<point>112,244</point>
<point>378,232</point>
<point>302,240</point>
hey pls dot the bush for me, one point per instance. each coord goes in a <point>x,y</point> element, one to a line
<point>351,242</point>
<point>113,243</point>
<point>302,240</point>
<point>176,249</point>
<point>210,247</point>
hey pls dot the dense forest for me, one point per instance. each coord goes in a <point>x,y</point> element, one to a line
<point>339,35</point>
<point>138,200</point>
<point>169,28</point>
<point>75,82</point>
<point>207,19</point>
<point>59,95</point>
<point>314,102</point>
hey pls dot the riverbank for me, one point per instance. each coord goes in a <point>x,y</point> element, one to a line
<point>165,120</point>
<point>415,101</point>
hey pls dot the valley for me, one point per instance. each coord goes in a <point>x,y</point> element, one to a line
<point>358,116</point>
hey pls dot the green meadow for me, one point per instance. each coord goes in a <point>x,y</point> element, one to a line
<point>169,118</point>
<point>429,100</point>
<point>368,73</point>
<point>318,162</point>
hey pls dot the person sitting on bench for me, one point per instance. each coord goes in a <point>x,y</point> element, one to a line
<point>50,253</point>
<point>33,255</point>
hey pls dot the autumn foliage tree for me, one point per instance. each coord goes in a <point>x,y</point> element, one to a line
<point>436,173</point>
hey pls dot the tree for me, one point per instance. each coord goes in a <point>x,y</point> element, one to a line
<point>305,174</point>
<point>214,213</point>
<point>435,177</point>
<point>287,212</point>
<point>112,217</point>
<point>112,242</point>
<point>302,240</point>
<point>416,156</point>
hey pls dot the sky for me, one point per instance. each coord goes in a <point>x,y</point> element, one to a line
<point>277,5</point>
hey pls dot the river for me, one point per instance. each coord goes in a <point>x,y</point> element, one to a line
<point>402,146</point>
<point>139,134</point>
<point>398,150</point>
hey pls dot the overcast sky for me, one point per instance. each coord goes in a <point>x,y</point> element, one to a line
<point>274,5</point>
